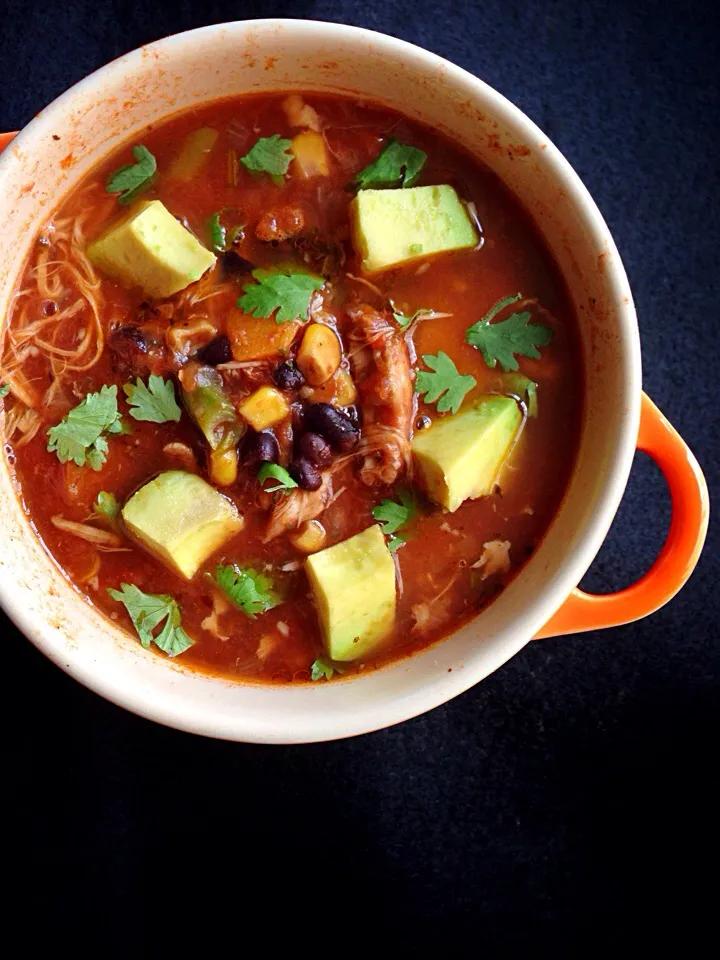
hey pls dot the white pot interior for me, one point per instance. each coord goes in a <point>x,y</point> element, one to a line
<point>145,86</point>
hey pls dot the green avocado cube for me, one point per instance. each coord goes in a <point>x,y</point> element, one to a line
<point>460,457</point>
<point>180,519</point>
<point>149,248</point>
<point>353,583</point>
<point>391,227</point>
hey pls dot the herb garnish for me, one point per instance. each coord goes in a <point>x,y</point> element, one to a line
<point>79,435</point>
<point>287,292</point>
<point>499,342</point>
<point>248,590</point>
<point>276,472</point>
<point>133,178</point>
<point>444,384</point>
<point>269,155</point>
<point>147,611</point>
<point>4,390</point>
<point>397,165</point>
<point>323,669</point>
<point>393,516</point>
<point>107,506</point>
<point>155,403</point>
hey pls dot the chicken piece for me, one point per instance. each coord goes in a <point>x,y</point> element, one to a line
<point>297,507</point>
<point>282,224</point>
<point>383,376</point>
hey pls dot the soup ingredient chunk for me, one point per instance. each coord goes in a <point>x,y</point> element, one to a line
<point>181,520</point>
<point>392,227</point>
<point>193,154</point>
<point>147,611</point>
<point>353,584</point>
<point>319,354</point>
<point>460,457</point>
<point>264,408</point>
<point>310,154</point>
<point>149,248</point>
<point>207,403</point>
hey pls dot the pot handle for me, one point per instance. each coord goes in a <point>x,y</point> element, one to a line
<point>680,552</point>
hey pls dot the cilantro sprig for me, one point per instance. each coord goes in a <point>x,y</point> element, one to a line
<point>287,292</point>
<point>393,516</point>
<point>129,181</point>
<point>155,402</point>
<point>247,589</point>
<point>271,155</point>
<point>445,385</point>
<point>147,611</point>
<point>275,472</point>
<point>323,669</point>
<point>500,342</point>
<point>397,165</point>
<point>80,434</point>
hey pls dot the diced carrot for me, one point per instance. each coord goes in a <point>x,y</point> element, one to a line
<point>253,338</point>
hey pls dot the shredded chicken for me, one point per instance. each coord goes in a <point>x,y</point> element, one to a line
<point>182,453</point>
<point>280,224</point>
<point>211,622</point>
<point>382,372</point>
<point>300,114</point>
<point>298,506</point>
<point>495,558</point>
<point>185,339</point>
<point>267,646</point>
<point>101,538</point>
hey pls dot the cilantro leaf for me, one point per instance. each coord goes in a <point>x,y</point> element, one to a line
<point>397,165</point>
<point>218,234</point>
<point>276,472</point>
<point>403,321</point>
<point>269,155</point>
<point>287,292</point>
<point>78,436</point>
<point>4,390</point>
<point>155,403</point>
<point>395,541</point>
<point>106,506</point>
<point>324,668</point>
<point>394,515</point>
<point>147,611</point>
<point>444,379</point>
<point>502,340</point>
<point>248,590</point>
<point>129,181</point>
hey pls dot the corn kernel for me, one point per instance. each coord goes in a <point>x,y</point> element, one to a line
<point>345,392</point>
<point>309,537</point>
<point>223,467</point>
<point>310,154</point>
<point>264,408</point>
<point>319,354</point>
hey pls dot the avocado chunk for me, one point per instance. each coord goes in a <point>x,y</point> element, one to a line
<point>460,457</point>
<point>391,227</point>
<point>353,584</point>
<point>148,248</point>
<point>180,519</point>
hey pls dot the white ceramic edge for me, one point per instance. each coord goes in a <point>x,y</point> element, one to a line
<point>188,716</point>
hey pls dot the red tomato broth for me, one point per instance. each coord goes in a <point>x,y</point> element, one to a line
<point>436,561</point>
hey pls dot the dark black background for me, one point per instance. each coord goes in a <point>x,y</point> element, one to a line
<point>568,802</point>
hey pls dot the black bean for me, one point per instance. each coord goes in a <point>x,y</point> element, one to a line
<point>260,447</point>
<point>422,423</point>
<point>288,377</point>
<point>307,476</point>
<point>314,448</point>
<point>128,340</point>
<point>353,414</point>
<point>331,423</point>
<point>215,352</point>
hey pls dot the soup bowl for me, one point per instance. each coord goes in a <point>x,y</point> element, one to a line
<point>44,161</point>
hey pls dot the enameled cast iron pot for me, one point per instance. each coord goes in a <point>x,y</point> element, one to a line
<point>67,139</point>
